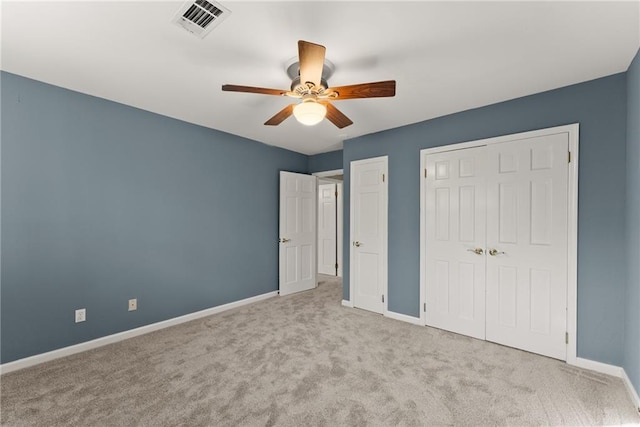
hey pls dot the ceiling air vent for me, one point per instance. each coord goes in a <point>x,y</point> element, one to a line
<point>201,16</point>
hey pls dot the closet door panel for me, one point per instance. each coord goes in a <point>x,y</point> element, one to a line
<point>455,233</point>
<point>527,206</point>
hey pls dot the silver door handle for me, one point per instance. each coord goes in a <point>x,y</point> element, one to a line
<point>495,252</point>
<point>477,251</point>
<point>284,240</point>
<point>357,244</point>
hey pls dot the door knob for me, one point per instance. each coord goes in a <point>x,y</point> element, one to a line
<point>357,244</point>
<point>284,240</point>
<point>477,251</point>
<point>494,252</point>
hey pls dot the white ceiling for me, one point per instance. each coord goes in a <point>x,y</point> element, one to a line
<point>445,56</point>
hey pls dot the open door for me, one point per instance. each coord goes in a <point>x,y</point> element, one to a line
<point>298,259</point>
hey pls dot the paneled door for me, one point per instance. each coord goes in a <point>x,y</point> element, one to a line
<point>455,212</point>
<point>527,244</point>
<point>327,230</point>
<point>368,273</point>
<point>298,260</point>
<point>496,233</point>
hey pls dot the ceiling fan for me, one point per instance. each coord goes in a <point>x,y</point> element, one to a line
<point>311,87</point>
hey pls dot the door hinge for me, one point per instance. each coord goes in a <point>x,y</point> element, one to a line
<point>336,193</point>
<point>425,172</point>
<point>569,157</point>
<point>382,177</point>
<point>566,337</point>
<point>424,307</point>
<point>336,265</point>
<point>382,298</point>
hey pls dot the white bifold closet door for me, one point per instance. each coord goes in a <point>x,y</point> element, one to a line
<point>497,242</point>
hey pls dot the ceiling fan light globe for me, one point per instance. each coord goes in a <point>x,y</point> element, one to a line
<point>309,113</point>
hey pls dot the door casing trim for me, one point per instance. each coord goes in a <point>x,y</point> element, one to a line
<point>572,219</point>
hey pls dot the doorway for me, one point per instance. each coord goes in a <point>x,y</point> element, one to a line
<point>330,220</point>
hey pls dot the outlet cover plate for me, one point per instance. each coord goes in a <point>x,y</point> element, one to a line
<point>81,315</point>
<point>133,304</point>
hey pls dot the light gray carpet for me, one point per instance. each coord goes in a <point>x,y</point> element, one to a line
<point>306,360</point>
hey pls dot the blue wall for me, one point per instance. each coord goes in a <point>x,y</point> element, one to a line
<point>325,161</point>
<point>102,202</point>
<point>632,330</point>
<point>600,108</point>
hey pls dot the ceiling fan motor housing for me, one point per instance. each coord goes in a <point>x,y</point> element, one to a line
<point>301,89</point>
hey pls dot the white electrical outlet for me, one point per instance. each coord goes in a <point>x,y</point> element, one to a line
<point>81,315</point>
<point>133,304</point>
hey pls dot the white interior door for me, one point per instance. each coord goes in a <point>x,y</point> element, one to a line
<point>455,236</point>
<point>297,232</point>
<point>368,273</point>
<point>327,229</point>
<point>339,222</point>
<point>527,242</point>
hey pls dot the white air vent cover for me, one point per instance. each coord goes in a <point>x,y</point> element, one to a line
<point>201,16</point>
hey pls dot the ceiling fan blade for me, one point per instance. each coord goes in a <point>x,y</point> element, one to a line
<point>364,90</point>
<point>311,58</point>
<point>336,116</point>
<point>280,116</point>
<point>251,89</point>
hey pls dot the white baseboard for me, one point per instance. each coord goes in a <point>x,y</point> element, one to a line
<point>632,391</point>
<point>603,368</point>
<point>612,370</point>
<point>391,315</point>
<point>403,318</point>
<point>120,336</point>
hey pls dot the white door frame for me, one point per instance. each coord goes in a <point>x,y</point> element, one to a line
<point>326,175</point>
<point>385,230</point>
<point>572,230</point>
